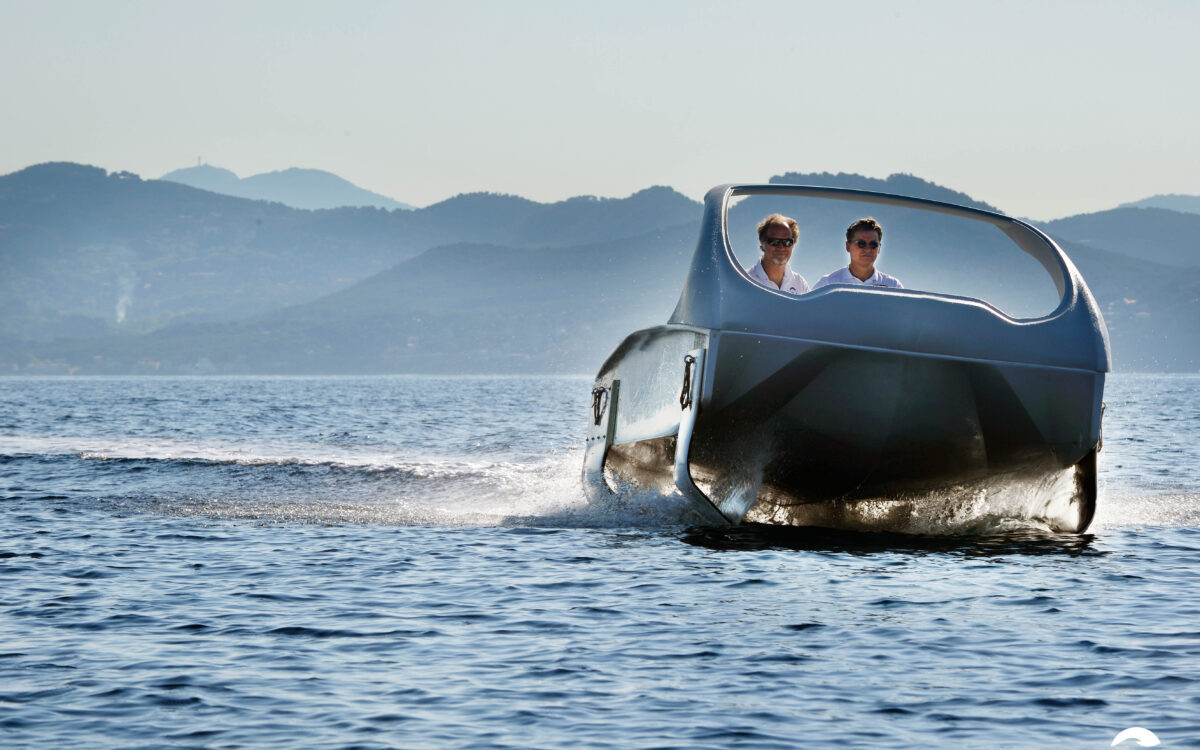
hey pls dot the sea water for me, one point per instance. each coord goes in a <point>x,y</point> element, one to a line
<point>409,562</point>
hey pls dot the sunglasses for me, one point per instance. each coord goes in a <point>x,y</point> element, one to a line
<point>861,244</point>
<point>781,242</point>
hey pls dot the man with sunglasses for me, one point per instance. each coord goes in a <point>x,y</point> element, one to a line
<point>777,234</point>
<point>863,240</point>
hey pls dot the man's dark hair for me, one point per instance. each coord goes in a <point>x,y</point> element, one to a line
<point>868,224</point>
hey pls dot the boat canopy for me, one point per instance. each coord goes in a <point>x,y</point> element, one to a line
<point>720,295</point>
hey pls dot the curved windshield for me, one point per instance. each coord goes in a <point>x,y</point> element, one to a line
<point>925,250</point>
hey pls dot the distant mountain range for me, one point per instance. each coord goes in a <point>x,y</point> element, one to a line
<point>108,273</point>
<point>899,184</point>
<point>1170,201</point>
<point>298,188</point>
<point>86,253</point>
<point>1154,234</point>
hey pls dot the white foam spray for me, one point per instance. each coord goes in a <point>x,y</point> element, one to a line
<point>384,488</point>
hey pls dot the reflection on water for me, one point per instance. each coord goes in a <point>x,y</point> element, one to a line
<point>753,536</point>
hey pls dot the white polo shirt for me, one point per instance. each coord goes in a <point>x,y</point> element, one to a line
<point>843,276</point>
<point>793,283</point>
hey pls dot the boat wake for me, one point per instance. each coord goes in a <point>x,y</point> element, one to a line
<point>299,483</point>
<point>1125,509</point>
<point>282,483</point>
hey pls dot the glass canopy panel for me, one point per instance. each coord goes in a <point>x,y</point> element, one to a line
<point>926,250</point>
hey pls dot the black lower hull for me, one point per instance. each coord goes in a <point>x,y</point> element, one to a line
<point>806,434</point>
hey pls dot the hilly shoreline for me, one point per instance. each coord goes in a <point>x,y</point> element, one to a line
<point>106,273</point>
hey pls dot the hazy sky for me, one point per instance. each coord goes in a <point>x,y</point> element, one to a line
<point>1042,108</point>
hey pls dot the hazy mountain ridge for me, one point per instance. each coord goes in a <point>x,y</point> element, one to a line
<point>1169,201</point>
<point>899,184</point>
<point>520,222</point>
<point>547,309</point>
<point>480,282</point>
<point>1171,238</point>
<point>299,188</point>
<point>133,255</point>
<point>206,177</point>
<point>86,253</point>
<point>1152,310</point>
